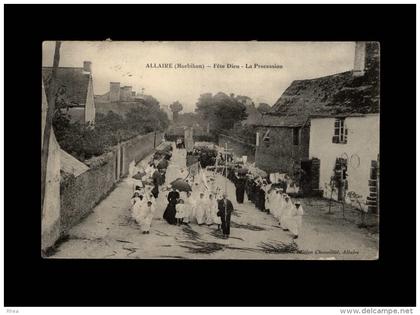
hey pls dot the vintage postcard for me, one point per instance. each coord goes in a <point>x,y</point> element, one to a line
<point>210,150</point>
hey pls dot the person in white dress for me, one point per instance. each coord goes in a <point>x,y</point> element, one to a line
<point>146,216</point>
<point>286,212</point>
<point>213,206</point>
<point>267,190</point>
<point>293,221</point>
<point>270,197</point>
<point>276,202</point>
<point>180,214</point>
<point>208,212</point>
<point>200,208</point>
<point>189,204</point>
<point>135,201</point>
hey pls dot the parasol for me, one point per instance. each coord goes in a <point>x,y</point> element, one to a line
<point>181,185</point>
<point>163,164</point>
<point>243,171</point>
<point>139,175</point>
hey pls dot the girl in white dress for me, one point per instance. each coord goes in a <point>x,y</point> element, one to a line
<point>189,204</point>
<point>136,201</point>
<point>146,216</point>
<point>180,214</point>
<point>208,213</point>
<point>286,212</point>
<point>200,209</point>
<point>213,211</point>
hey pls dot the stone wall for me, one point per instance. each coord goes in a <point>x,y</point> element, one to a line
<point>279,153</point>
<point>79,195</point>
<point>238,146</point>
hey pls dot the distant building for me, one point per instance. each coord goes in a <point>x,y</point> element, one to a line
<point>314,119</point>
<point>74,91</point>
<point>118,93</point>
<point>119,99</point>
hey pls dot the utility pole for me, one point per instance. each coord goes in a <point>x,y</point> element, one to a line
<point>226,166</point>
<point>48,122</point>
<point>226,161</point>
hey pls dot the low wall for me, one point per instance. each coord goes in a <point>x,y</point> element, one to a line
<point>138,148</point>
<point>238,146</point>
<point>79,195</point>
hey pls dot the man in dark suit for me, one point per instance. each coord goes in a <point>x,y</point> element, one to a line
<point>225,211</point>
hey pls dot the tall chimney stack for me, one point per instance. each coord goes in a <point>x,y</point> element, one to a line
<point>87,66</point>
<point>359,59</point>
<point>114,91</point>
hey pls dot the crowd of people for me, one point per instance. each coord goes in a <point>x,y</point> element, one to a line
<point>205,204</point>
<point>201,206</point>
<point>147,182</point>
<point>271,198</point>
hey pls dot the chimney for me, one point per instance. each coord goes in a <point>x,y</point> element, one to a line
<point>359,59</point>
<point>87,66</point>
<point>114,91</point>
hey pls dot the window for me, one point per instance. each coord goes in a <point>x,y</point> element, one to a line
<point>266,137</point>
<point>296,136</point>
<point>340,131</point>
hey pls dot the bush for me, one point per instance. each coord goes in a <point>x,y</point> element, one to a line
<point>84,141</point>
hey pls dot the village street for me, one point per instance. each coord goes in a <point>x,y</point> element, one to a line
<point>109,232</point>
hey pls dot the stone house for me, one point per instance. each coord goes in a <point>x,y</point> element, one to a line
<point>284,141</point>
<point>347,146</point>
<point>75,91</point>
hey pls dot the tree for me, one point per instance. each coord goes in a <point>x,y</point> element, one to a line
<point>263,108</point>
<point>221,110</point>
<point>176,107</point>
<point>151,102</point>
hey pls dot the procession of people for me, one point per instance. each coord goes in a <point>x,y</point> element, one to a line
<point>196,199</point>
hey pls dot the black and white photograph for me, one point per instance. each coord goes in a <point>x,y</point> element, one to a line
<point>211,150</point>
<point>209,158</point>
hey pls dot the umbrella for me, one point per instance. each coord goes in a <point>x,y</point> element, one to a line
<point>181,185</point>
<point>163,164</point>
<point>243,171</point>
<point>167,148</point>
<point>139,175</point>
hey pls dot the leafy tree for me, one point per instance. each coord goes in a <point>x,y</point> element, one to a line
<point>176,107</point>
<point>221,110</point>
<point>151,102</point>
<point>263,107</point>
<point>83,141</point>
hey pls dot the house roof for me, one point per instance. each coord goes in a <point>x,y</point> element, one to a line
<point>73,82</point>
<point>340,94</point>
<point>71,165</point>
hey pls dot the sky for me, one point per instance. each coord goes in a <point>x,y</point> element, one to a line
<point>125,62</point>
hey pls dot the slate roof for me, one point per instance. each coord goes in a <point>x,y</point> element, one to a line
<point>73,82</point>
<point>341,94</point>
